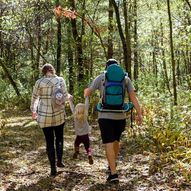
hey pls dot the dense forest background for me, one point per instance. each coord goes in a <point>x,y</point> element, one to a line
<point>151,39</point>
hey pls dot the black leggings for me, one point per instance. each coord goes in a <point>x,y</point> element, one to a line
<point>50,134</point>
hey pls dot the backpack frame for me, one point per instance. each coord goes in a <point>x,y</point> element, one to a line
<point>114,88</point>
<point>113,96</point>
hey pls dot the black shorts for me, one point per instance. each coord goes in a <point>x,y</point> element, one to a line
<point>111,130</point>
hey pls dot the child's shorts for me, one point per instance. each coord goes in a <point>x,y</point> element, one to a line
<point>111,130</point>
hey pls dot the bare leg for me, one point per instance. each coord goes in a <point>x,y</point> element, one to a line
<point>116,149</point>
<point>111,156</point>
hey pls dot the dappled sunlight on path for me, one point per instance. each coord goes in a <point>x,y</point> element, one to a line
<point>24,165</point>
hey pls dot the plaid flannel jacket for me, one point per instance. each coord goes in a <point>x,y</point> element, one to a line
<point>41,101</point>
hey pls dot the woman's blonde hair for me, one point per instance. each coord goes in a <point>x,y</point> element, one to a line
<point>80,112</point>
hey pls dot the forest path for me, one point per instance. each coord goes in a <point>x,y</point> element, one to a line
<point>24,165</point>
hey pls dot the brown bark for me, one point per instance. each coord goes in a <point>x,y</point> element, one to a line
<point>172,54</point>
<point>78,42</point>
<point>136,66</point>
<point>163,59</point>
<point>38,47</point>
<point>110,31</point>
<point>123,39</point>
<point>127,35</point>
<point>70,60</point>
<point>59,46</point>
<point>90,65</point>
<point>59,42</point>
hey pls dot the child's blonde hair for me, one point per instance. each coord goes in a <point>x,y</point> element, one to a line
<point>80,112</point>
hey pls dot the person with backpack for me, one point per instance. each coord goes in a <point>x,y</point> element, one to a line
<point>112,84</point>
<point>47,106</point>
<point>82,128</point>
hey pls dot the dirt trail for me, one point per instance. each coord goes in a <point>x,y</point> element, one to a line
<point>24,165</point>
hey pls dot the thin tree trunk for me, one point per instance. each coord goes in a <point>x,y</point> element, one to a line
<point>172,54</point>
<point>90,67</point>
<point>164,60</point>
<point>110,31</point>
<point>70,59</point>
<point>39,39</point>
<point>154,68</point>
<point>34,46</point>
<point>122,36</point>
<point>59,47</point>
<point>136,66</point>
<point>178,68</point>
<point>188,47</point>
<point>84,43</point>
<point>78,41</point>
<point>187,66</point>
<point>59,42</point>
<point>8,74</point>
<point>127,35</point>
<point>8,59</point>
<point>188,58</point>
<point>189,4</point>
<point>34,73</point>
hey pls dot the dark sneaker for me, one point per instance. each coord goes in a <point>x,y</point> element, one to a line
<point>113,178</point>
<point>90,159</point>
<point>75,155</point>
<point>108,170</point>
<point>60,164</point>
<point>53,172</point>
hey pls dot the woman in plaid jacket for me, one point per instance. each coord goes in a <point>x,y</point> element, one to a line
<point>51,119</point>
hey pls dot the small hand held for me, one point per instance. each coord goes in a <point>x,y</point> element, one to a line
<point>87,92</point>
<point>70,97</point>
<point>34,115</point>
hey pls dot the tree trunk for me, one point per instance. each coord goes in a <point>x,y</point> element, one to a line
<point>136,66</point>
<point>59,42</point>
<point>164,60</point>
<point>172,54</point>
<point>127,35</point>
<point>8,74</point>
<point>122,36</point>
<point>39,39</point>
<point>189,4</point>
<point>59,47</point>
<point>78,41</point>
<point>70,60</point>
<point>187,68</point>
<point>8,59</point>
<point>35,61</point>
<point>165,73</point>
<point>177,54</point>
<point>110,31</point>
<point>154,68</point>
<point>90,66</point>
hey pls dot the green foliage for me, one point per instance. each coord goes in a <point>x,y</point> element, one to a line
<point>29,39</point>
<point>167,129</point>
<point>9,99</point>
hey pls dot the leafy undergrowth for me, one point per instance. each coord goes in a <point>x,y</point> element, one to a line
<point>141,165</point>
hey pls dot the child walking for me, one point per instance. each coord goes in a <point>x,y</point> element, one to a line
<point>82,128</point>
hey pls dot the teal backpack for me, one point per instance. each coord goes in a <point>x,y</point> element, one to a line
<point>114,91</point>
